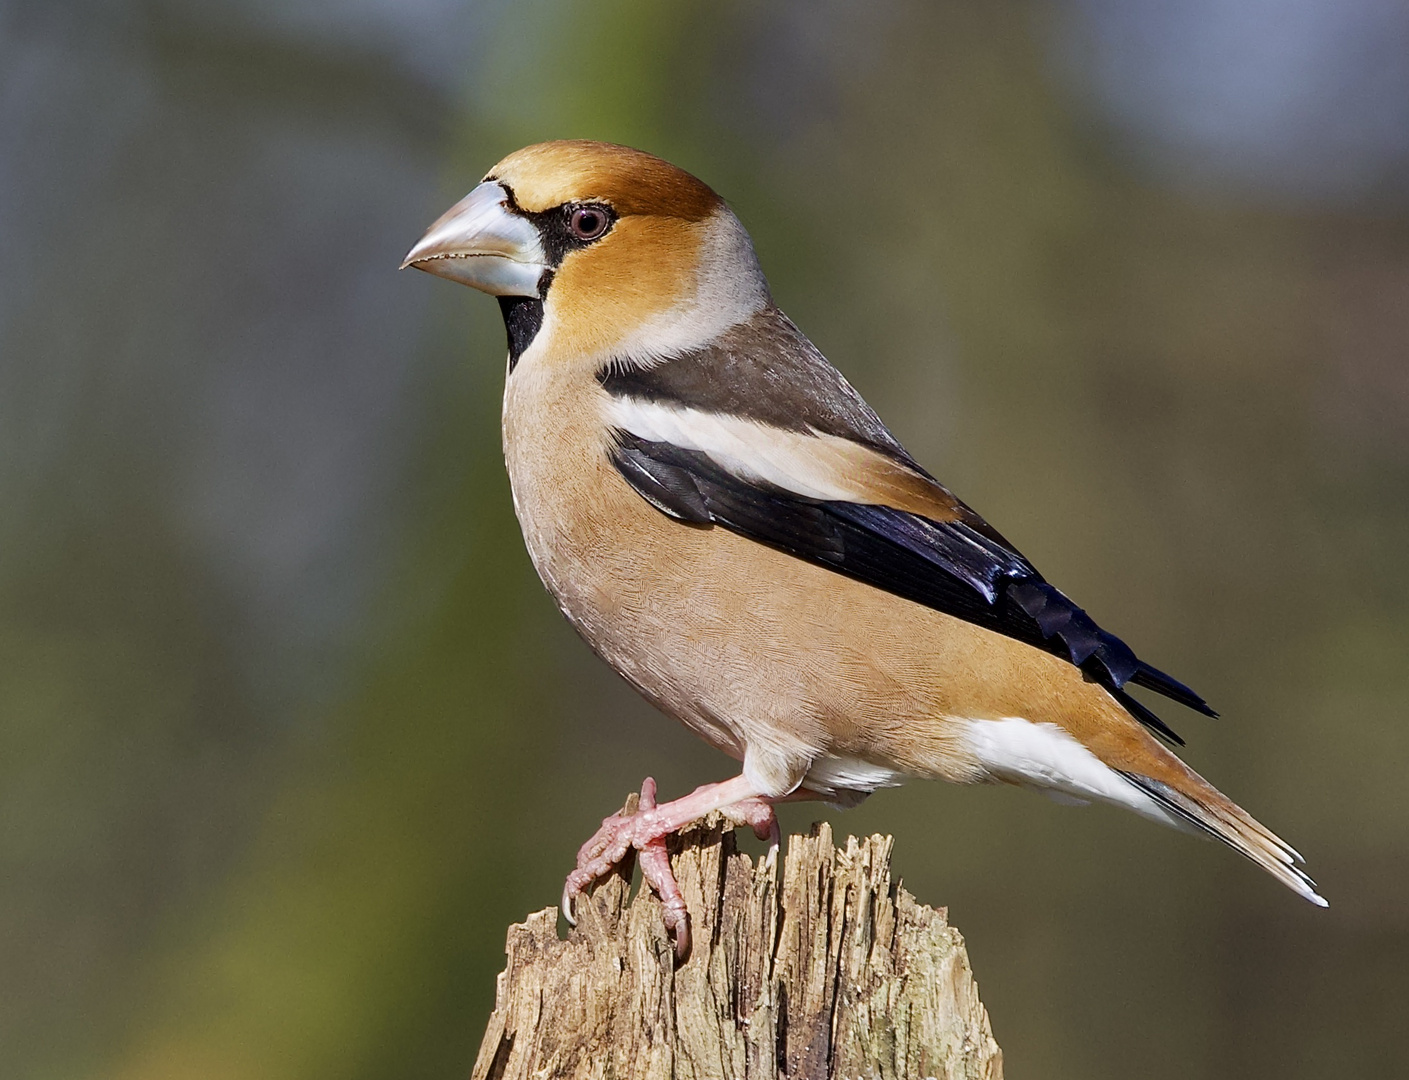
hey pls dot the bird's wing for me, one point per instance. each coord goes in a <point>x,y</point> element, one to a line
<point>805,466</point>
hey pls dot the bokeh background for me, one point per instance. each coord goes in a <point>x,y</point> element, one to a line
<point>289,731</point>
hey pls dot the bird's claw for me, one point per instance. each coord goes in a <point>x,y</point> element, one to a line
<point>597,858</point>
<point>643,827</point>
<point>610,844</point>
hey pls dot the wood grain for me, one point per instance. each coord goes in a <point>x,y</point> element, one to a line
<point>839,972</point>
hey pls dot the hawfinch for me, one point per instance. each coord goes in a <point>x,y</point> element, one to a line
<point>732,528</point>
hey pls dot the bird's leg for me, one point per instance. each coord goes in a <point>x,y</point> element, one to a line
<point>646,831</point>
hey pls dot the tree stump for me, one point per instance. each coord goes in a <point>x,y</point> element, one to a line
<point>840,973</point>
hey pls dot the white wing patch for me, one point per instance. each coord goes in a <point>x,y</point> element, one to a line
<point>1045,757</point>
<point>811,465</point>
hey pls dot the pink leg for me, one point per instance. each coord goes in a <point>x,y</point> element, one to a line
<point>759,815</point>
<point>646,831</point>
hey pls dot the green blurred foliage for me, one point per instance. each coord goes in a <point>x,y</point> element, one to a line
<point>230,854</point>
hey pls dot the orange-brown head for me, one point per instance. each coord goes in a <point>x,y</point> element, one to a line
<point>618,255</point>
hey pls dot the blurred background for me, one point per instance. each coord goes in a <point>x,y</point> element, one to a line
<point>290,732</point>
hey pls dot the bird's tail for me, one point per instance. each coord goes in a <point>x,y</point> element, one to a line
<point>1203,808</point>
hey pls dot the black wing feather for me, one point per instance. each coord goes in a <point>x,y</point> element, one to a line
<point>667,487</point>
<point>955,567</point>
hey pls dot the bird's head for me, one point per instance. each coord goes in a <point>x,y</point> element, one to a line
<point>609,253</point>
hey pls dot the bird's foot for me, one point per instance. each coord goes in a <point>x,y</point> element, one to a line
<point>646,831</point>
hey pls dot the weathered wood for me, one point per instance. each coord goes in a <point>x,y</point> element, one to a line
<point>840,973</point>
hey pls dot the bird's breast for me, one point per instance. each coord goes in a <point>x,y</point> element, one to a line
<point>576,514</point>
<point>631,589</point>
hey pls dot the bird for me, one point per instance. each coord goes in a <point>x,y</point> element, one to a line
<point>732,528</point>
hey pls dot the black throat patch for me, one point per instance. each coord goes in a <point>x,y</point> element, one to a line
<point>523,315</point>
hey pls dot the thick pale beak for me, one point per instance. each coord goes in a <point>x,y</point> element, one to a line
<point>481,242</point>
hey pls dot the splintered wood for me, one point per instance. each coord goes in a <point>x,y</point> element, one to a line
<point>840,974</point>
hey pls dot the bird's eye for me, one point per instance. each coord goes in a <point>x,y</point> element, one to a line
<point>589,222</point>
